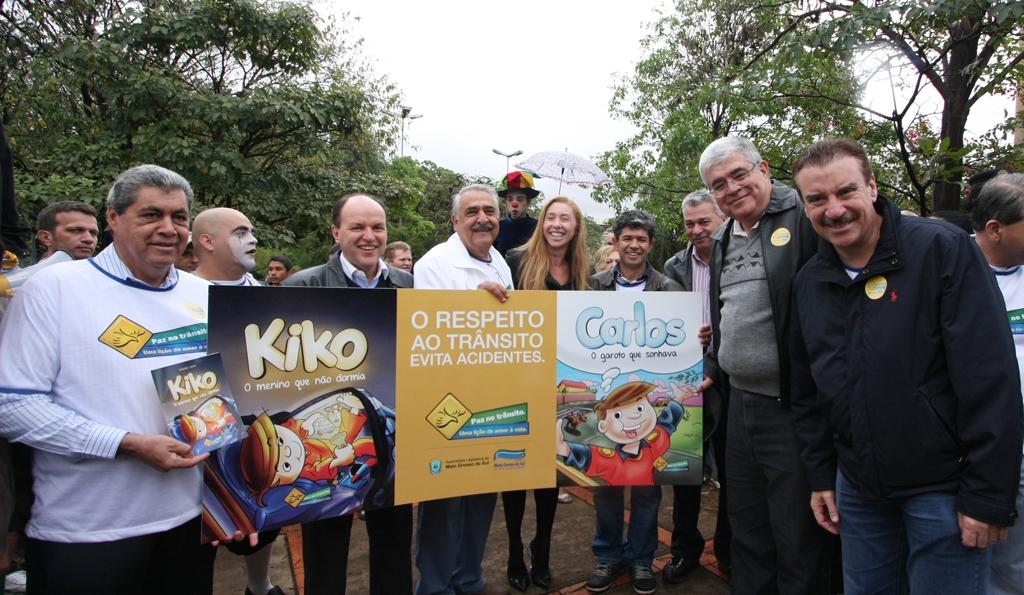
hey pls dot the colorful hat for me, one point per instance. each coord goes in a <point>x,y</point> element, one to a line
<point>517,180</point>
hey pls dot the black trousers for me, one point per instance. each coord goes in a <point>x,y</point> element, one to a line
<point>514,503</point>
<point>168,563</point>
<point>325,552</point>
<point>777,547</point>
<point>687,541</point>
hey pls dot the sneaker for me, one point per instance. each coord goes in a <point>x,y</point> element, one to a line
<point>643,579</point>
<point>677,570</point>
<point>564,497</point>
<point>603,576</point>
<point>16,582</point>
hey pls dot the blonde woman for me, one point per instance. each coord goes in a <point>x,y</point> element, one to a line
<point>554,258</point>
<point>605,258</point>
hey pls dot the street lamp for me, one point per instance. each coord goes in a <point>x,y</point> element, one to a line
<point>507,156</point>
<point>406,115</point>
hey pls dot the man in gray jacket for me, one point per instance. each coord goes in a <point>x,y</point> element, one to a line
<point>360,230</point>
<point>776,546</point>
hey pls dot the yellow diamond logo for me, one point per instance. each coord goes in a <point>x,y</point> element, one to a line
<point>125,336</point>
<point>449,416</point>
<point>294,498</point>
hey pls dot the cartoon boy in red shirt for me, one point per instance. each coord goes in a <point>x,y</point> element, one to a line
<point>627,418</point>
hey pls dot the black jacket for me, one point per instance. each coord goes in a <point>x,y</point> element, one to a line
<point>332,275</point>
<point>907,373</point>
<point>679,268</point>
<point>784,211</point>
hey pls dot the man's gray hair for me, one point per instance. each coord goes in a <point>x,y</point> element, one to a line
<point>485,188</point>
<point>126,187</point>
<point>721,149</point>
<point>1002,199</point>
<point>700,197</point>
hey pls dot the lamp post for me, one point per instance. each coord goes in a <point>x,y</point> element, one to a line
<point>507,156</point>
<point>405,115</point>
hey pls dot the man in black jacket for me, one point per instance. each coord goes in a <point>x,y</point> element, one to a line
<point>360,229</point>
<point>905,386</point>
<point>690,268</point>
<point>775,546</point>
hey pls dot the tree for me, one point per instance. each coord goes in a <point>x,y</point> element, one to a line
<point>692,87</point>
<point>960,50</point>
<point>263,107</point>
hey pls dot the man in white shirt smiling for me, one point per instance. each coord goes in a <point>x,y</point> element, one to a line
<point>116,499</point>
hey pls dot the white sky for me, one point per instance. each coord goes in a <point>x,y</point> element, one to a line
<point>529,75</point>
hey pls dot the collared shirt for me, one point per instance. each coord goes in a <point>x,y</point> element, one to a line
<point>358,276</point>
<point>110,263</point>
<point>624,284</point>
<point>737,230</point>
<point>246,280</point>
<point>700,276</point>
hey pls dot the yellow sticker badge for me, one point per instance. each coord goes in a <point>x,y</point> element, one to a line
<point>195,310</point>
<point>448,416</point>
<point>125,336</point>
<point>875,287</point>
<point>781,237</point>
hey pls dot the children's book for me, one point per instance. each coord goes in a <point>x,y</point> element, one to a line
<point>197,403</point>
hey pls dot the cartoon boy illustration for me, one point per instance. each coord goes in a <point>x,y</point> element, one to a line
<point>627,418</point>
<point>279,454</point>
<point>208,420</point>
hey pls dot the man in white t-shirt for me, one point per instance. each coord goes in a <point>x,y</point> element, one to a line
<point>998,222</point>
<point>116,499</point>
<point>224,242</point>
<point>453,532</point>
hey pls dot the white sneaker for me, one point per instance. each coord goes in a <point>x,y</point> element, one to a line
<point>16,582</point>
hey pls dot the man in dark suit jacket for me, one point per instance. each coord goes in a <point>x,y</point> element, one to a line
<point>360,229</point>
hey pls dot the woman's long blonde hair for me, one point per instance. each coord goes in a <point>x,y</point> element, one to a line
<point>534,262</point>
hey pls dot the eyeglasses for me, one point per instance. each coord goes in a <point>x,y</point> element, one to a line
<point>738,176</point>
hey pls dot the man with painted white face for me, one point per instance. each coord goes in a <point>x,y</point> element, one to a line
<point>453,532</point>
<point>116,505</point>
<point>905,386</point>
<point>691,269</point>
<point>756,254</point>
<point>361,231</point>
<point>224,243</point>
<point>634,233</point>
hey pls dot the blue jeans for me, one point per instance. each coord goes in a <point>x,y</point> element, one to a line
<point>642,540</point>
<point>451,537</point>
<point>1008,556</point>
<point>890,545</point>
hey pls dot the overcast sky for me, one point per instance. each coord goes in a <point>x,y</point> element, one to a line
<point>529,75</point>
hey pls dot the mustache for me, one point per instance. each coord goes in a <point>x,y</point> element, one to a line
<point>482,227</point>
<point>846,218</point>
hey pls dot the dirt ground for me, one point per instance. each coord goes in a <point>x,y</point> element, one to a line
<point>571,562</point>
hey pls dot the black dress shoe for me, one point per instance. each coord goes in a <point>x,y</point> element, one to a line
<point>541,576</point>
<point>678,569</point>
<point>517,577</point>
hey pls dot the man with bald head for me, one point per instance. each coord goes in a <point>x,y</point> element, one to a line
<point>223,241</point>
<point>361,231</point>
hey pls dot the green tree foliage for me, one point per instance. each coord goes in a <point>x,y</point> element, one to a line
<point>691,87</point>
<point>262,106</point>
<point>957,50</point>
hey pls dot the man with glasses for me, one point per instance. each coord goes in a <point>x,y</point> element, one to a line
<point>776,544</point>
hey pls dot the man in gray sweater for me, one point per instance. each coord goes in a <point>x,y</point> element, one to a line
<point>776,544</point>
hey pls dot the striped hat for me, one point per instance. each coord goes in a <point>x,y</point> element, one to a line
<point>517,180</point>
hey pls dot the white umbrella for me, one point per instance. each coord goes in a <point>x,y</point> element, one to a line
<point>565,167</point>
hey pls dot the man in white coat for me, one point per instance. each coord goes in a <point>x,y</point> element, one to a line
<point>453,532</point>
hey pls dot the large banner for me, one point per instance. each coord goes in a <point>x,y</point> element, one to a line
<point>485,390</point>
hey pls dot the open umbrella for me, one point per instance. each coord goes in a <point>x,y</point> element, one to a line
<point>565,167</point>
